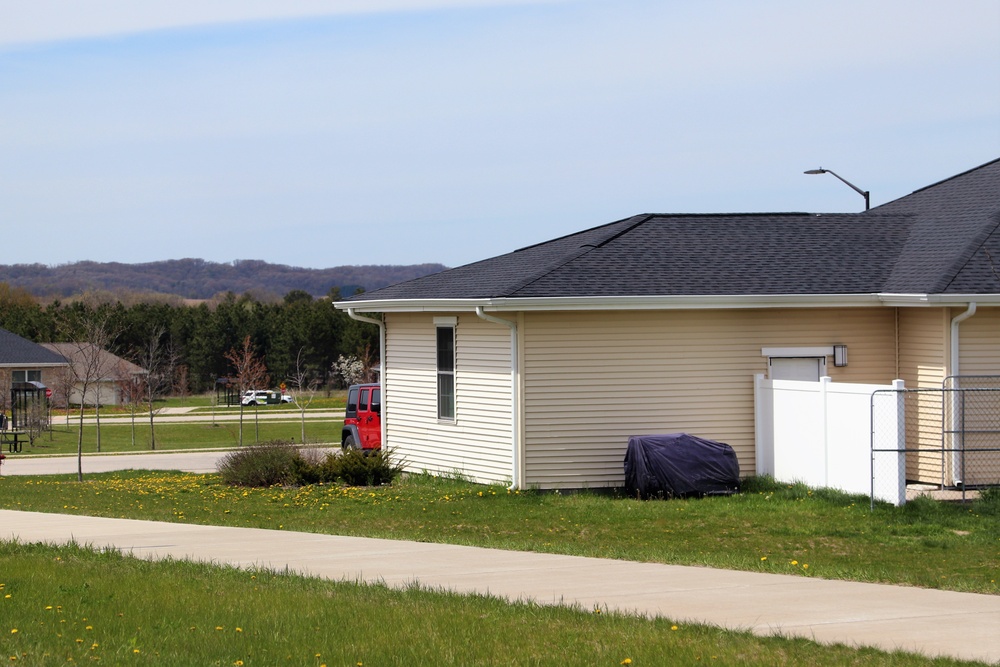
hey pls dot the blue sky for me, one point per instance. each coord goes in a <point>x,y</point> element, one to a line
<point>318,133</point>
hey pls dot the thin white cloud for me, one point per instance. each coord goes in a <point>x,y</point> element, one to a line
<point>37,21</point>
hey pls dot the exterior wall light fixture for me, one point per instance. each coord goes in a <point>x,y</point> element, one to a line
<point>839,355</point>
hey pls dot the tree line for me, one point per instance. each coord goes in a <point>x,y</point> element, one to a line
<point>299,334</point>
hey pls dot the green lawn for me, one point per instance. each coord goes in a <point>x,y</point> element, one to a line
<point>72,606</point>
<point>769,528</point>
<point>183,435</point>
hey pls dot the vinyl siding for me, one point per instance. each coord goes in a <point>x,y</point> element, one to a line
<point>478,441</point>
<point>923,362</point>
<point>979,351</point>
<point>592,379</point>
<point>979,354</point>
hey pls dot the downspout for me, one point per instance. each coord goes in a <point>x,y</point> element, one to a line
<point>956,456</point>
<point>381,362</point>
<point>515,463</point>
<point>958,319</point>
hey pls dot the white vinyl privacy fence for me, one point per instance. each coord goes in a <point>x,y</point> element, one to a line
<point>821,434</point>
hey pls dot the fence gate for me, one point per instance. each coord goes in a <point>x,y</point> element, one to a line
<point>947,437</point>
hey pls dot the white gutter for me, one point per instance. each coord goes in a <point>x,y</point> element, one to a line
<point>660,302</point>
<point>515,441</point>
<point>956,455</point>
<point>381,362</point>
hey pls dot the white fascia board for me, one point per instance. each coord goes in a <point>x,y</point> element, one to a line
<point>30,366</point>
<point>617,303</point>
<point>938,300</point>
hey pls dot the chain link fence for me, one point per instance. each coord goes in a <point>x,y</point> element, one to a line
<point>944,439</point>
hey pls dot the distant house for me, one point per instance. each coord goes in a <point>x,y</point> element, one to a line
<point>535,366</point>
<point>110,376</point>
<point>24,361</point>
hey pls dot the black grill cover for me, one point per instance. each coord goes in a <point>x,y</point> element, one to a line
<point>679,465</point>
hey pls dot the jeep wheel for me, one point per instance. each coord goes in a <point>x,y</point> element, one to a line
<point>349,443</point>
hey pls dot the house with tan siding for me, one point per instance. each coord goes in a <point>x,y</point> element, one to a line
<point>534,367</point>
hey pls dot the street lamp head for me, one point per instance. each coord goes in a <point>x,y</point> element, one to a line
<point>863,193</point>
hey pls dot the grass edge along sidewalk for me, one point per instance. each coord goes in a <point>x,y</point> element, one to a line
<point>774,528</point>
<point>72,603</point>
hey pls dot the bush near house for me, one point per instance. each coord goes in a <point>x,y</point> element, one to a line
<point>281,463</point>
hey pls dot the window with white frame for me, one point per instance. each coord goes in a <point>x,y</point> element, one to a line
<point>445,367</point>
<point>25,376</point>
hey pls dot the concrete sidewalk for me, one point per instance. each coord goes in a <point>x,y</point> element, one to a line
<point>961,625</point>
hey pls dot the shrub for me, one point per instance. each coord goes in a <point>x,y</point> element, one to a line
<point>355,467</point>
<point>267,464</point>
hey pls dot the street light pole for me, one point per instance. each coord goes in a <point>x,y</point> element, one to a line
<point>863,193</point>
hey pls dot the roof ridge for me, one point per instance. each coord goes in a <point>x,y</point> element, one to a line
<point>972,248</point>
<point>582,250</point>
<point>934,185</point>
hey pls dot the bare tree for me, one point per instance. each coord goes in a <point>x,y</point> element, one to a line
<point>62,389</point>
<point>89,364</point>
<point>158,362</point>
<point>131,389</point>
<point>250,373</point>
<point>306,384</point>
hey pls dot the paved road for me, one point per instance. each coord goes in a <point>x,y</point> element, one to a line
<point>190,460</point>
<point>962,625</point>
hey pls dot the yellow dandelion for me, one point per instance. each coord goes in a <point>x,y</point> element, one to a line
<point>219,628</point>
<point>135,650</point>
<point>13,631</point>
<point>805,566</point>
<point>763,558</point>
<point>795,562</point>
<point>673,627</point>
<point>239,629</point>
<point>626,661</point>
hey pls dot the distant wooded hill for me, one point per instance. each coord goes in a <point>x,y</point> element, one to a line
<point>199,279</point>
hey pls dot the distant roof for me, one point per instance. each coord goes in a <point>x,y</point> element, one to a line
<point>941,239</point>
<point>18,351</point>
<point>109,366</point>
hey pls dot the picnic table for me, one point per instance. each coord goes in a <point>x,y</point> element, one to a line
<point>14,440</point>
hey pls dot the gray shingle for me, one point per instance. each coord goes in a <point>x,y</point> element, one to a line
<point>17,350</point>
<point>942,238</point>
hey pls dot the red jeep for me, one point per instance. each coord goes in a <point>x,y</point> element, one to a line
<point>363,418</point>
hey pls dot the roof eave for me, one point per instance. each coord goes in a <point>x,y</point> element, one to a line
<point>683,302</point>
<point>939,300</point>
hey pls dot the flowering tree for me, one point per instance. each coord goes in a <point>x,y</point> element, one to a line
<point>356,370</point>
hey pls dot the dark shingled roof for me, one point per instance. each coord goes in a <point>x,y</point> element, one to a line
<point>944,238</point>
<point>21,351</point>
